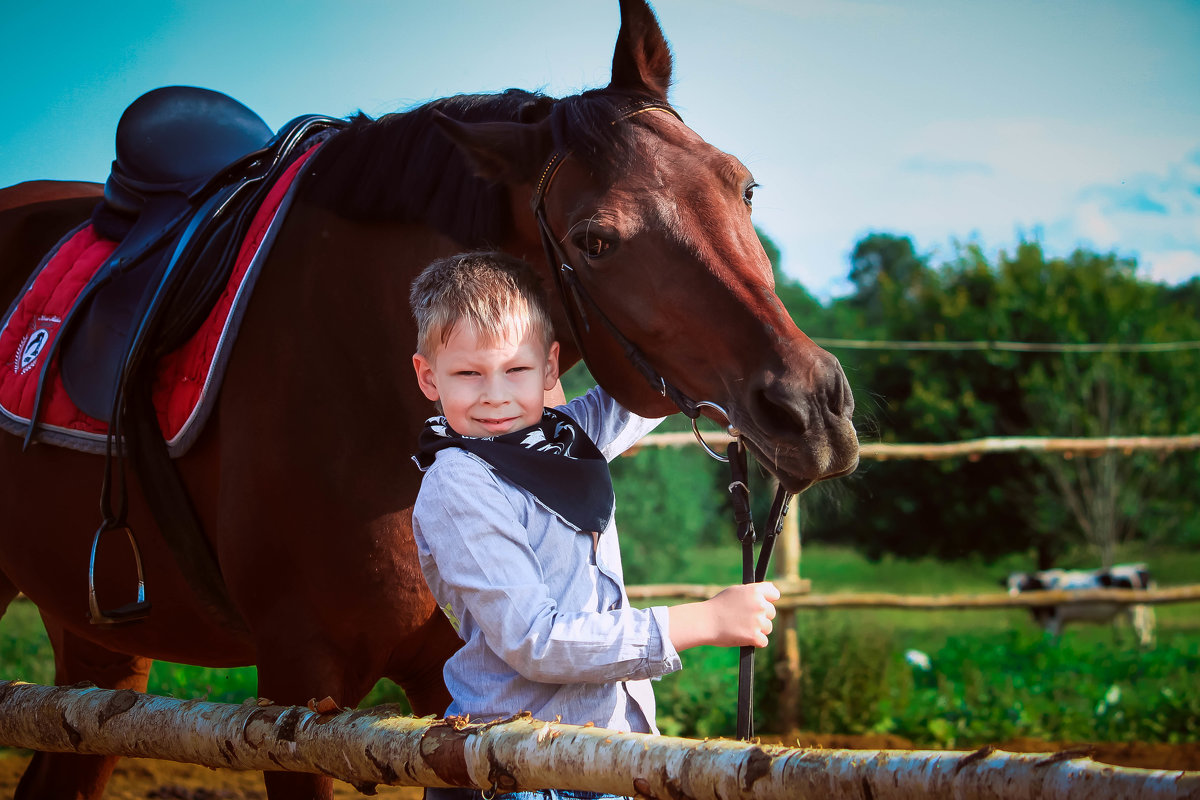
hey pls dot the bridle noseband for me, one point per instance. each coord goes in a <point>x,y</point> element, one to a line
<point>576,301</point>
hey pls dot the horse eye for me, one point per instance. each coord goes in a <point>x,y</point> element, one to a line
<point>748,195</point>
<point>592,245</point>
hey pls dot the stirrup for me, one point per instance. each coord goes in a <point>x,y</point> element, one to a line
<point>130,612</point>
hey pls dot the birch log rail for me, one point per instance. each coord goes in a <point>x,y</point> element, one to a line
<point>376,746</point>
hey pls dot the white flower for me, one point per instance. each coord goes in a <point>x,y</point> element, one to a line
<point>918,660</point>
<point>1111,698</point>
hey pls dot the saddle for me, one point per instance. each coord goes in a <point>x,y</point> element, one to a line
<point>192,166</point>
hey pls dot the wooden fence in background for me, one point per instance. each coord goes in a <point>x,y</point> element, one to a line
<point>796,591</point>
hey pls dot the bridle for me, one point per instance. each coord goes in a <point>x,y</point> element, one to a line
<point>577,302</point>
<point>569,285</point>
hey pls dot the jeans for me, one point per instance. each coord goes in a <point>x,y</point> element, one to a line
<point>435,793</point>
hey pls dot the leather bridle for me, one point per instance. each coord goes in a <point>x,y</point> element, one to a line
<point>577,302</point>
<point>575,297</point>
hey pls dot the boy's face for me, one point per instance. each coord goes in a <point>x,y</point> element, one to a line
<point>489,388</point>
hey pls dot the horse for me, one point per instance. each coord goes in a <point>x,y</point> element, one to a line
<point>302,478</point>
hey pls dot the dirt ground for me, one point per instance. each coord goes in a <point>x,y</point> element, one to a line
<point>136,779</point>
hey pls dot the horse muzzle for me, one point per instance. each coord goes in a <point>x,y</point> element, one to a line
<point>799,424</point>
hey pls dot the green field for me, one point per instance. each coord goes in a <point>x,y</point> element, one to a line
<point>993,675</point>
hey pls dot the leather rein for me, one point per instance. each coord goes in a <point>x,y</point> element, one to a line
<point>577,302</point>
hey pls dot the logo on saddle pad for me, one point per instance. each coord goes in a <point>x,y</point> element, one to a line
<point>41,330</point>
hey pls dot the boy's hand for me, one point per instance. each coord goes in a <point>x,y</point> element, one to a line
<point>742,614</point>
<point>737,617</point>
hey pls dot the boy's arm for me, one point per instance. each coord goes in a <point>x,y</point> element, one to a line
<point>610,425</point>
<point>737,617</point>
<point>486,562</point>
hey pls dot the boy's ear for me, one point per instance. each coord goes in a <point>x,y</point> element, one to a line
<point>551,367</point>
<point>426,378</point>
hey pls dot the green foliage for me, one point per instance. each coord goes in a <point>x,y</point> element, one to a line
<point>186,682</point>
<point>24,648</point>
<point>994,675</point>
<point>686,509</point>
<point>701,699</point>
<point>993,685</point>
<point>1045,505</point>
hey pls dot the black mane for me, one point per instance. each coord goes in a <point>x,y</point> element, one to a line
<point>401,167</point>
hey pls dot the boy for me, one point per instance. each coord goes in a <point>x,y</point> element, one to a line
<point>514,519</point>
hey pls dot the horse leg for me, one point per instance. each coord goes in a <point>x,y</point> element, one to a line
<point>289,677</point>
<point>76,659</point>
<point>421,678</point>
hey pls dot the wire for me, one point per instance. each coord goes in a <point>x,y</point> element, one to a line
<point>1031,347</point>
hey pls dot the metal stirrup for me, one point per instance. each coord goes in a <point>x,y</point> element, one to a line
<point>130,612</point>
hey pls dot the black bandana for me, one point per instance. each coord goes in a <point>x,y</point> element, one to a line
<point>555,461</point>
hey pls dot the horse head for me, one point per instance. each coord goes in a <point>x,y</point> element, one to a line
<point>648,228</point>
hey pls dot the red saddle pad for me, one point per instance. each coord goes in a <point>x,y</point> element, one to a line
<point>188,378</point>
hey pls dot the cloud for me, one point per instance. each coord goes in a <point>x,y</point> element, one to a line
<point>1170,266</point>
<point>1154,216</point>
<point>1177,192</point>
<point>1094,225</point>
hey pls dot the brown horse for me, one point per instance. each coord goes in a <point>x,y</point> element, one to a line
<point>302,477</point>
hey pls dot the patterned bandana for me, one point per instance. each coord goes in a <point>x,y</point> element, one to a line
<point>555,461</point>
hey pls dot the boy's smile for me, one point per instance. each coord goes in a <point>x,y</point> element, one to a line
<point>489,388</point>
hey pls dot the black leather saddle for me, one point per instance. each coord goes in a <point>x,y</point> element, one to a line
<point>170,142</point>
<point>192,165</point>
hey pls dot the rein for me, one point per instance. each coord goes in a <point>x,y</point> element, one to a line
<point>577,301</point>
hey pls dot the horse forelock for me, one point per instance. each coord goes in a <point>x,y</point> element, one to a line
<point>590,128</point>
<point>401,167</point>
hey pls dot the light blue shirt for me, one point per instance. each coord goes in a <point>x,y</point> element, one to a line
<point>541,606</point>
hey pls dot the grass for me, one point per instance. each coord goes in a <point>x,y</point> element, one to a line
<point>993,675</point>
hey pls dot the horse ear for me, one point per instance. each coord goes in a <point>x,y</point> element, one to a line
<point>508,152</point>
<point>642,59</point>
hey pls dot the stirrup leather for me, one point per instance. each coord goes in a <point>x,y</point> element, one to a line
<point>130,612</point>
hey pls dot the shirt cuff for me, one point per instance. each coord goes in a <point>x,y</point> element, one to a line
<point>660,643</point>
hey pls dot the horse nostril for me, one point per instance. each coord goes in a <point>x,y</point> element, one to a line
<point>841,398</point>
<point>794,406</point>
<point>777,410</point>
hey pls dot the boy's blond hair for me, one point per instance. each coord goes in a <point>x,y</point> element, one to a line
<point>486,290</point>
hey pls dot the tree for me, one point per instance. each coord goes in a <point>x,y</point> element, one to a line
<point>1110,497</point>
<point>1018,502</point>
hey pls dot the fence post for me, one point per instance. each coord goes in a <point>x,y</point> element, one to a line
<point>787,657</point>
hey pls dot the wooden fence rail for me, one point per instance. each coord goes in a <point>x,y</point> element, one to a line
<point>375,746</point>
<point>795,595</point>
<point>1173,594</point>
<point>971,448</point>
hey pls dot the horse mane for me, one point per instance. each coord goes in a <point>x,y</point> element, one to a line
<point>402,168</point>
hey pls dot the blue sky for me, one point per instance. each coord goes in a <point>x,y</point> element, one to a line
<point>1076,122</point>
